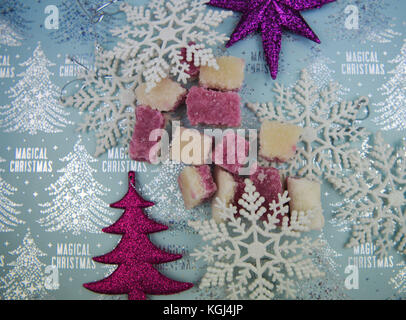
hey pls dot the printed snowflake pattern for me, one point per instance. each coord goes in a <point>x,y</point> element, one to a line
<point>35,107</point>
<point>374,190</point>
<point>108,97</point>
<point>8,208</point>
<point>13,24</point>
<point>81,23</point>
<point>255,259</point>
<point>26,279</point>
<point>398,282</point>
<point>331,286</point>
<point>393,109</point>
<point>163,190</point>
<point>329,124</point>
<point>152,41</point>
<point>8,36</point>
<point>373,23</point>
<point>77,205</point>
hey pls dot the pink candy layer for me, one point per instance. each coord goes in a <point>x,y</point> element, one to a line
<point>193,70</point>
<point>207,181</point>
<point>267,182</point>
<point>213,107</point>
<point>147,120</point>
<point>231,152</point>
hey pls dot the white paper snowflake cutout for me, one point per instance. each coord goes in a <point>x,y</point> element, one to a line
<point>108,97</point>
<point>152,41</point>
<point>329,124</point>
<point>375,196</point>
<point>253,258</point>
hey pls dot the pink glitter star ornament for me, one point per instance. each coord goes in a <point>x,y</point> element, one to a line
<point>270,17</point>
<point>135,254</point>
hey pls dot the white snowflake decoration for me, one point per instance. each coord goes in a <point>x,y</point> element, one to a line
<point>108,97</point>
<point>329,124</point>
<point>77,205</point>
<point>393,109</point>
<point>152,41</point>
<point>254,258</point>
<point>374,189</point>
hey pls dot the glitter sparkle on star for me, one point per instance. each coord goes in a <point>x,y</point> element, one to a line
<point>270,17</point>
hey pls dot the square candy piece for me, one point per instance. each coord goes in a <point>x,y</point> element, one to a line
<point>268,183</point>
<point>231,152</point>
<point>166,96</point>
<point>196,185</point>
<point>306,195</point>
<point>226,190</point>
<point>147,120</point>
<point>190,146</point>
<point>228,77</point>
<point>194,70</point>
<point>278,140</point>
<point>213,107</point>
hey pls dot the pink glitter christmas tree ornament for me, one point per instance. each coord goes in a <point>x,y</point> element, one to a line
<point>135,254</point>
<point>270,17</point>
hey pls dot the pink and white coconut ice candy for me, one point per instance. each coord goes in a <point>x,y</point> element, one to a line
<point>166,96</point>
<point>267,182</point>
<point>196,184</point>
<point>226,190</point>
<point>231,152</point>
<point>228,77</point>
<point>278,140</point>
<point>306,195</point>
<point>147,120</point>
<point>213,108</point>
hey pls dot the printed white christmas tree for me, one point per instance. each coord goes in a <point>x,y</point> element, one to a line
<point>34,105</point>
<point>26,279</point>
<point>12,22</point>
<point>8,36</point>
<point>77,204</point>
<point>393,109</point>
<point>8,208</point>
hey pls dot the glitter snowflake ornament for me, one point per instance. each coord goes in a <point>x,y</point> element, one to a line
<point>270,17</point>
<point>329,124</point>
<point>107,96</point>
<point>375,196</point>
<point>152,42</point>
<point>253,258</point>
